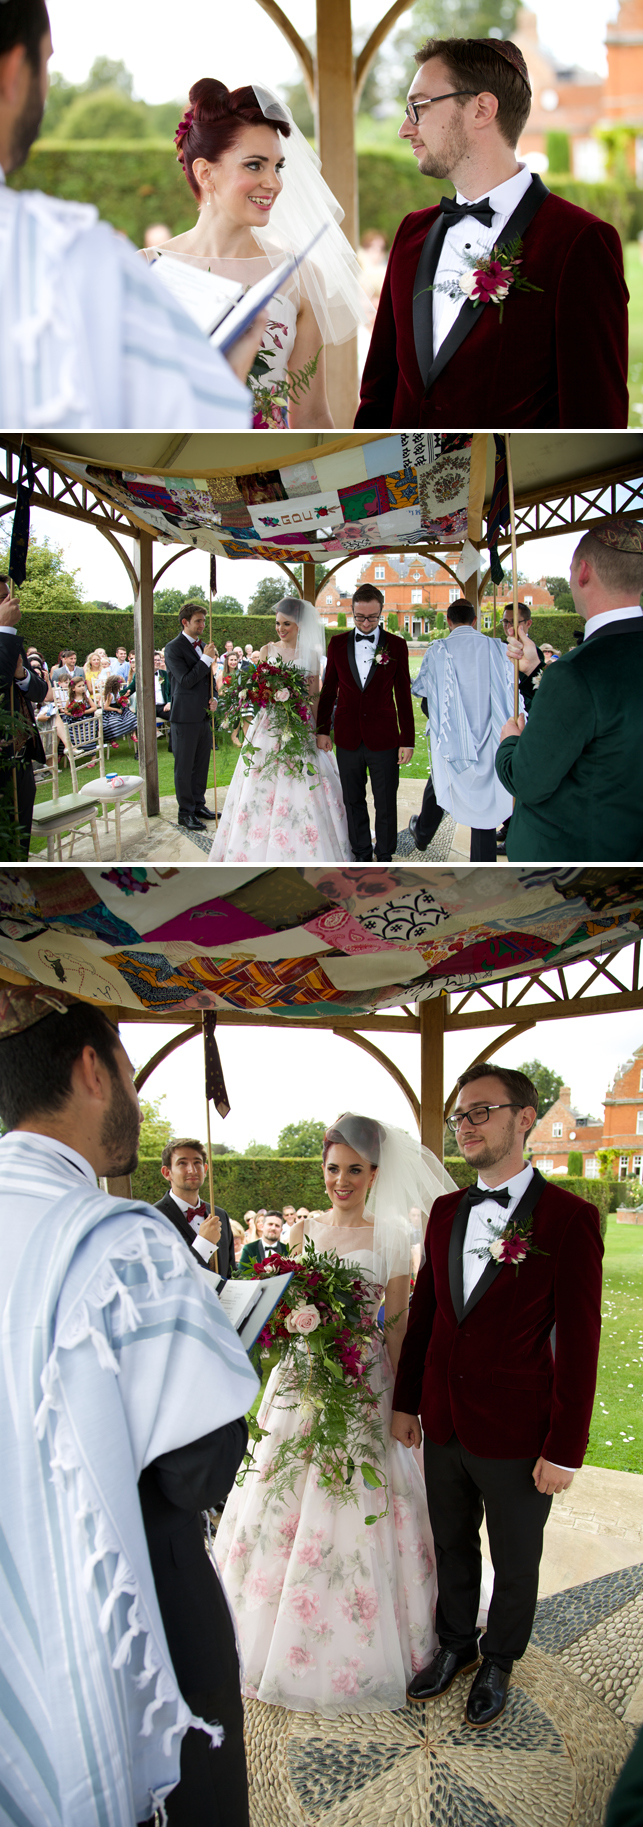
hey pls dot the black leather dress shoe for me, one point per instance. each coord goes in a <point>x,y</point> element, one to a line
<point>204,812</point>
<point>488,1695</point>
<point>190,822</point>
<point>440,1674</point>
<point>413,825</point>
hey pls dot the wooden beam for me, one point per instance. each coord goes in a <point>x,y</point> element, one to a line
<point>170,561</point>
<point>432,1025</point>
<point>335,134</point>
<point>369,51</point>
<point>163,1053</point>
<point>547,1011</point>
<point>297,44</point>
<point>144,651</point>
<point>388,1065</point>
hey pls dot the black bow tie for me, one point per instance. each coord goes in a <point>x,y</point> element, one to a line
<point>366,637</point>
<point>455,212</point>
<point>476,1194</point>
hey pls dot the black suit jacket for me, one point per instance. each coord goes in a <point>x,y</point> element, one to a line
<point>11,646</point>
<point>173,1490</point>
<point>191,683</point>
<point>225,1247</point>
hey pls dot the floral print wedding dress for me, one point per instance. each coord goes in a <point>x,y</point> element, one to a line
<point>334,1615</point>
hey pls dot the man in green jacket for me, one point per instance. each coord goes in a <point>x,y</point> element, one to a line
<point>268,1244</point>
<point>576,769</point>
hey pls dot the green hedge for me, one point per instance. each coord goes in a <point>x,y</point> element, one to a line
<point>597,1192</point>
<point>244,1183</point>
<point>93,628</point>
<point>547,625</point>
<point>136,182</point>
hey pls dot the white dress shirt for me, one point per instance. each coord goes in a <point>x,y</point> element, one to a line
<point>471,237</point>
<point>201,1245</point>
<point>486,1222</point>
<point>365,651</point>
<point>207,658</point>
<point>610,615</point>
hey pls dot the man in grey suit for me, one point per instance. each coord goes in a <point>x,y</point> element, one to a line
<point>189,664</point>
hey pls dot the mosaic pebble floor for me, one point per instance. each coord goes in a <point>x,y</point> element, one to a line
<point>551,1761</point>
<point>436,852</point>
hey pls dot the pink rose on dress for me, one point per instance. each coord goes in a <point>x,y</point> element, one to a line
<point>401,1511</point>
<point>288,1530</point>
<point>300,1660</point>
<point>283,809</point>
<point>255,834</point>
<point>344,1679</point>
<point>312,834</point>
<point>237,1550</point>
<point>310,1553</point>
<point>281,838</point>
<point>256,1588</point>
<point>303,1604</point>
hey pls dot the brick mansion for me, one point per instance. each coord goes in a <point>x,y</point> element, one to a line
<point>565,1130</point>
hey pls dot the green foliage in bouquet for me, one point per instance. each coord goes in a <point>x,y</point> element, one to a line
<point>329,1339</point>
<point>282,691</point>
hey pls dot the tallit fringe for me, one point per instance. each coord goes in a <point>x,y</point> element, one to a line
<point>65,1464</point>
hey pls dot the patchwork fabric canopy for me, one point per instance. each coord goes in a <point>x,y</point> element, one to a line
<point>380,495</point>
<point>302,941</point>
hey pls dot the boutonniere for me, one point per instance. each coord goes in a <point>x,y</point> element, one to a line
<point>382,658</point>
<point>514,1243</point>
<point>487,278</point>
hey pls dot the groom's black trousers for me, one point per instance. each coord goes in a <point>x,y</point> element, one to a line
<point>459,1487</point>
<point>382,765</point>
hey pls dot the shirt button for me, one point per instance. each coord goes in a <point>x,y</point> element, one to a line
<point>467,246</point>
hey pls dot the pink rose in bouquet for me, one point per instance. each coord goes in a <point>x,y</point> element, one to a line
<point>303,1320</point>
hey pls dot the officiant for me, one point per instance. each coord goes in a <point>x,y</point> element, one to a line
<point>368,687</point>
<point>540,338</point>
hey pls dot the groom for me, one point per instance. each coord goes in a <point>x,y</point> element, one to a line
<point>505,1422</point>
<point>558,355</point>
<point>368,686</point>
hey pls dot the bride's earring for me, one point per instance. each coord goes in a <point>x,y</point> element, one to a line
<point>209,199</point>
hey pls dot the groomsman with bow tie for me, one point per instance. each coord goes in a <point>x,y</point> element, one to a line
<point>367,685</point>
<point>542,342</point>
<point>505,1421</point>
<point>189,662</point>
<point>208,1235</point>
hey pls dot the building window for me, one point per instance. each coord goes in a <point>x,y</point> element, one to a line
<point>380,572</point>
<point>557,1129</point>
<point>427,627</point>
<point>454,596</point>
<point>407,624</point>
<point>416,596</point>
<point>639,1122</point>
<point>637,1163</point>
<point>546,1166</point>
<point>329,599</point>
<point>623,1165</point>
<point>641,1081</point>
<point>528,601</point>
<point>591,1167</point>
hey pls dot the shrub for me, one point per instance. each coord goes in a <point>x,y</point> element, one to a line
<point>89,629</point>
<point>595,1191</point>
<point>575,1163</point>
<point>549,625</point>
<point>243,1182</point>
<point>341,618</point>
<point>558,153</point>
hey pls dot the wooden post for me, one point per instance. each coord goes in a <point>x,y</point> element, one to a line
<point>207,1123</point>
<point>214,740</point>
<point>432,1018</point>
<point>144,652</point>
<point>119,1185</point>
<point>308,581</point>
<point>495,605</point>
<point>335,133</point>
<point>14,769</point>
<point>514,568</point>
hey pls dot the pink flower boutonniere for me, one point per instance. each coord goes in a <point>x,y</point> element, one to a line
<point>382,658</point>
<point>487,278</point>
<point>515,1243</point>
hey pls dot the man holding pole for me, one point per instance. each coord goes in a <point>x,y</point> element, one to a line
<point>204,1227</point>
<point>20,689</point>
<point>189,663</point>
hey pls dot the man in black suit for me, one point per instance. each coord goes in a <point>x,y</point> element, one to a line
<point>268,1244</point>
<point>29,688</point>
<point>189,664</point>
<point>208,1235</point>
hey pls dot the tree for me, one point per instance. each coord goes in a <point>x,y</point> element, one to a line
<point>268,591</point>
<point>548,1084</point>
<point>106,73</point>
<point>156,1129</point>
<point>48,584</point>
<point>259,1148</point>
<point>227,605</point>
<point>321,572</point>
<point>447,19</point>
<point>557,586</point>
<point>341,618</point>
<point>305,1138</point>
<point>565,605</point>
<point>168,602</point>
<point>575,1163</point>
<point>104,114</point>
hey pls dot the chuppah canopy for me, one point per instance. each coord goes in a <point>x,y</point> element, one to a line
<point>341,948</point>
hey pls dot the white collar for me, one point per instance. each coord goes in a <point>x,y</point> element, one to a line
<point>183,1204</point>
<point>515,1187</point>
<point>610,615</point>
<point>373,636</point>
<point>195,640</point>
<point>504,198</point>
<point>51,1145</point>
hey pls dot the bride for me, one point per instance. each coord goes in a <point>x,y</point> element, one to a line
<point>272,815</point>
<point>335,1615</point>
<point>261,196</point>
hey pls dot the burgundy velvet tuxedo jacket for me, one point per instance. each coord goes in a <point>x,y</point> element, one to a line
<point>559,357</point>
<point>380,713</point>
<point>485,1370</point>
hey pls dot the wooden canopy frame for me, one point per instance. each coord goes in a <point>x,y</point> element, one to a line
<point>573,506</point>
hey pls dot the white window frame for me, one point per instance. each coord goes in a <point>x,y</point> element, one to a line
<point>416,596</point>
<point>623,1165</point>
<point>546,1165</point>
<point>639,1122</point>
<point>637,1166</point>
<point>591,1167</point>
<point>454,596</point>
<point>407,624</point>
<point>641,1081</point>
<point>556,1129</point>
<point>380,573</point>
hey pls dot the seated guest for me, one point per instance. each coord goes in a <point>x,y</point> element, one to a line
<point>67,668</point>
<point>96,673</point>
<point>118,719</point>
<point>302,1211</point>
<point>266,1245</point>
<point>251,1232</point>
<point>121,664</point>
<point>288,1218</point>
<point>184,1164</point>
<point>239,1236</point>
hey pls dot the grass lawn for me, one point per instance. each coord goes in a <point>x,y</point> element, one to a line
<point>634,276</point>
<point>125,760</point>
<point>616,1435</point>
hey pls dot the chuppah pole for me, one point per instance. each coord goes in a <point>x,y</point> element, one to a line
<point>432,1015</point>
<point>207,1121</point>
<point>213,580</point>
<point>14,769</point>
<point>514,567</point>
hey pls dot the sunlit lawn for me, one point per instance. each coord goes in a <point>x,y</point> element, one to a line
<point>616,1435</point>
<point>125,760</point>
<point>634,276</point>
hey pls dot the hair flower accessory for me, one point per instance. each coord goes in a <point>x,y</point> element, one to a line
<point>183,128</point>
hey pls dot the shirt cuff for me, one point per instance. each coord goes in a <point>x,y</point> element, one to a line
<point>207,658</point>
<point>23,683</point>
<point>564,1468</point>
<point>203,1248</point>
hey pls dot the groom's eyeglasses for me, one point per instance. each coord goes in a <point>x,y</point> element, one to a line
<point>479,1114</point>
<point>412,108</point>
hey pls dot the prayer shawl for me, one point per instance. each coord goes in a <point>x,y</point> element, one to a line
<point>114,1350</point>
<point>469,692</point>
<point>87,339</point>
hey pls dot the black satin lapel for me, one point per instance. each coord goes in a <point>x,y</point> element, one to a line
<point>423,299</point>
<point>469,315</point>
<point>350,650</point>
<point>456,1248</point>
<point>525,1205</point>
<point>492,1270</point>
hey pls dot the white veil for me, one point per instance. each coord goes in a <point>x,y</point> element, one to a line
<point>311,642</point>
<point>334,286</point>
<point>408,1180</point>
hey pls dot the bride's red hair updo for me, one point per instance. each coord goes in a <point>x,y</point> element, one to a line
<point>215,118</point>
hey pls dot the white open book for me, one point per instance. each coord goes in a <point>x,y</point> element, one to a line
<point>249,1304</point>
<point>220,306</point>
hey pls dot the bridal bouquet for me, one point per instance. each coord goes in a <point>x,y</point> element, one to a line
<point>328,1338</point>
<point>282,691</point>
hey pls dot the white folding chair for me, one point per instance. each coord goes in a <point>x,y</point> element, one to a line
<point>113,797</point>
<point>59,816</point>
